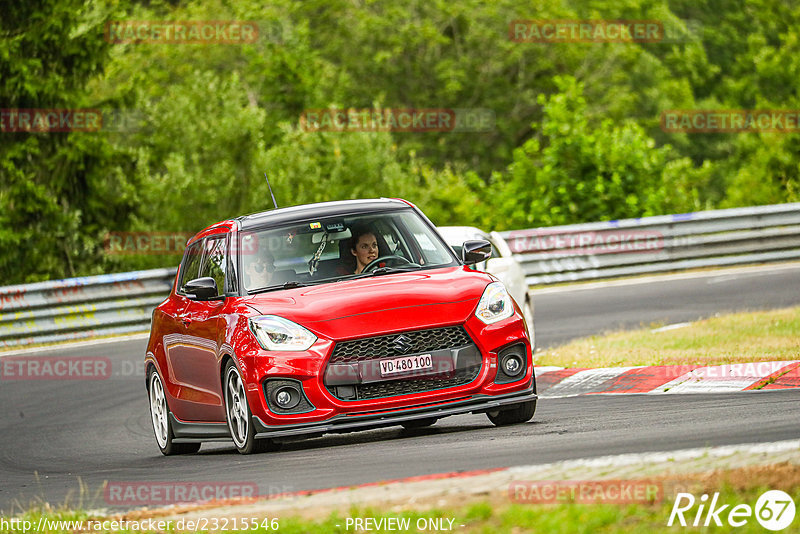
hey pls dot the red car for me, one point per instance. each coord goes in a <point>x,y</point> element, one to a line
<point>331,317</point>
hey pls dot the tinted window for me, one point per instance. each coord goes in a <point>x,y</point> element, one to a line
<point>231,279</point>
<point>191,264</point>
<point>214,263</point>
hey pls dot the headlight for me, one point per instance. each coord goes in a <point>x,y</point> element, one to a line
<point>277,333</point>
<point>495,304</point>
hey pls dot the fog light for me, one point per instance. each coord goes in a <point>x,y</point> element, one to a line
<point>283,399</point>
<point>512,363</point>
<point>285,395</point>
<point>512,366</point>
<point>287,398</point>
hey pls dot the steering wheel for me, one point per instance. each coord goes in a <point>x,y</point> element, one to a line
<point>371,266</point>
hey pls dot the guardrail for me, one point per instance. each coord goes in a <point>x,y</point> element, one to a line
<point>122,303</point>
<point>77,308</point>
<point>657,244</point>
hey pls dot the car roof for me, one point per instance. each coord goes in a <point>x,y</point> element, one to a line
<point>320,209</point>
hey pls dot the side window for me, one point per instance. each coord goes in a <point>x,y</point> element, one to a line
<point>393,240</point>
<point>214,262</point>
<point>233,282</point>
<point>191,264</point>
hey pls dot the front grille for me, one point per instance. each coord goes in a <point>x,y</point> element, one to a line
<point>392,388</point>
<point>382,346</point>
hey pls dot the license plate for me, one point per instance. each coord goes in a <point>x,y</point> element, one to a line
<point>406,364</point>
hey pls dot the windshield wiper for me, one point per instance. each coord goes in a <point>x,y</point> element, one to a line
<point>287,285</point>
<point>294,283</point>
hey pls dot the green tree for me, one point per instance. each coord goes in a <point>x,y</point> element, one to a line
<point>576,171</point>
<point>576,138</point>
<point>58,191</point>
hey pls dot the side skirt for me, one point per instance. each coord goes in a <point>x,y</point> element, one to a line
<point>195,432</point>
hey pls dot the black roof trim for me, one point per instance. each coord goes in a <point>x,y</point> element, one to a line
<point>321,209</point>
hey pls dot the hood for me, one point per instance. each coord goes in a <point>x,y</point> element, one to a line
<point>386,302</point>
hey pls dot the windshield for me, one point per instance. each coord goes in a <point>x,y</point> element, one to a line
<point>336,248</point>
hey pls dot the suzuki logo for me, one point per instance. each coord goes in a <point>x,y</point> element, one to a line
<point>402,344</point>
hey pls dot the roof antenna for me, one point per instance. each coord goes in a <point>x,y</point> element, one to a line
<point>270,190</point>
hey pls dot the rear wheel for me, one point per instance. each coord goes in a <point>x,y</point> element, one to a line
<point>239,417</point>
<point>519,413</point>
<point>159,414</point>
<point>419,423</point>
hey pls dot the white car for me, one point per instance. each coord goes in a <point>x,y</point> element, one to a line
<point>502,264</point>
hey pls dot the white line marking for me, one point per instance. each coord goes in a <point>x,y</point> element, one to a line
<point>722,279</point>
<point>669,327</point>
<point>722,378</point>
<point>586,381</point>
<point>76,344</point>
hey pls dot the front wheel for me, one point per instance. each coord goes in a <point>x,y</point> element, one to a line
<point>159,414</point>
<point>519,413</point>
<point>238,415</point>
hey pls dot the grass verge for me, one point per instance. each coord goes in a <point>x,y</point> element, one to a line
<point>735,338</point>
<point>498,514</point>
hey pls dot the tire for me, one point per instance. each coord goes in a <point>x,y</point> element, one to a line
<point>239,416</point>
<point>159,416</point>
<point>519,413</point>
<point>419,423</point>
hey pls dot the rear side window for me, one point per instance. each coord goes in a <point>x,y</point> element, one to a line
<point>214,262</point>
<point>191,264</point>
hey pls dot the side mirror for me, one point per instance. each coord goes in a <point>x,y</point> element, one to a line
<point>475,251</point>
<point>201,288</point>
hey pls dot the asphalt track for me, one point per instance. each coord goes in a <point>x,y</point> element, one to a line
<point>61,440</point>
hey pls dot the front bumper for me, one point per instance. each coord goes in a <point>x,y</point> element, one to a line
<point>347,423</point>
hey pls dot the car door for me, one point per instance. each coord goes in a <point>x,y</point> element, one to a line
<point>173,332</point>
<point>194,360</point>
<point>172,310</point>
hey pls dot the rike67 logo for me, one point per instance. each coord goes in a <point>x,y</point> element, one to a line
<point>774,510</point>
